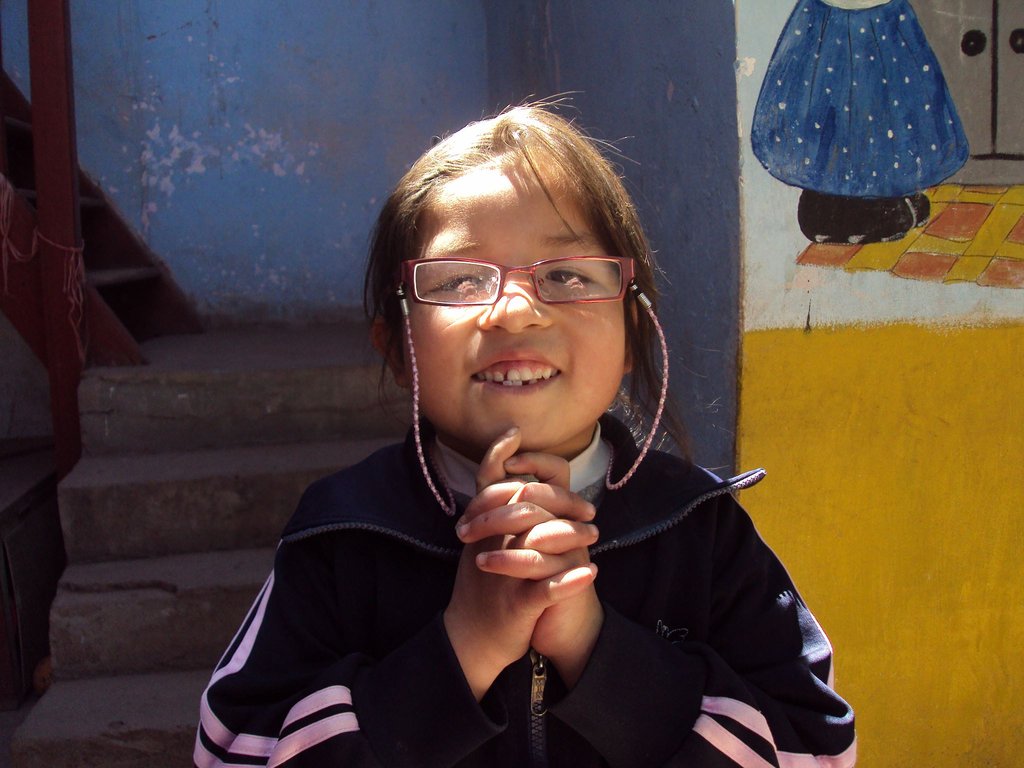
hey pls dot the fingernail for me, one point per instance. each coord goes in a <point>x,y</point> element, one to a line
<point>481,559</point>
<point>461,528</point>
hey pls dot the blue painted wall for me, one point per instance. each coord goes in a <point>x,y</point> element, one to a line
<point>251,141</point>
<point>658,79</point>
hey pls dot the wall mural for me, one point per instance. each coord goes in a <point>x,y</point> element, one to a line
<point>855,110</point>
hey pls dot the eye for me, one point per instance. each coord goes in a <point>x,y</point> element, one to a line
<point>454,283</point>
<point>568,280</point>
<point>579,279</point>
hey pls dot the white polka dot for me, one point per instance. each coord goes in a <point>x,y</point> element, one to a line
<point>846,108</point>
<point>807,161</point>
<point>862,30</point>
<point>828,69</point>
<point>925,68</point>
<point>782,105</point>
<point>845,150</point>
<point>799,140</point>
<point>927,107</point>
<point>874,173</point>
<point>828,90</point>
<point>903,17</point>
<point>817,125</point>
<point>889,133</point>
<point>871,118</point>
<point>798,32</point>
<point>896,164</point>
<point>910,127</point>
<point>906,79</point>
<point>895,102</point>
<point>934,148</point>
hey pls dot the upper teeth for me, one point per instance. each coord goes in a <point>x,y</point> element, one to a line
<point>516,377</point>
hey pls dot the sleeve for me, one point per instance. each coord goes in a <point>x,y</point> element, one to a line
<point>756,693</point>
<point>294,689</point>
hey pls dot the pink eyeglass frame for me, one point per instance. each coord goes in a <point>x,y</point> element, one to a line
<point>408,267</point>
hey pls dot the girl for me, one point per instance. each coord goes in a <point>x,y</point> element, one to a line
<point>519,584</point>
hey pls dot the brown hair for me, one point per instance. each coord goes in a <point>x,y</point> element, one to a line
<point>556,152</point>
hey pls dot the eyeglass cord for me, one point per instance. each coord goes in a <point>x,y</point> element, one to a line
<point>449,505</point>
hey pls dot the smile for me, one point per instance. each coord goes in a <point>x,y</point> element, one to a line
<point>516,377</point>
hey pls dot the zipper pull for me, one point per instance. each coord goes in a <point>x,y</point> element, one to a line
<point>538,680</point>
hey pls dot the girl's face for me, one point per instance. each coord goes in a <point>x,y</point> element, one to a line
<point>570,357</point>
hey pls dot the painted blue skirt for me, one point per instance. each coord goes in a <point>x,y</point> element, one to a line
<point>854,103</point>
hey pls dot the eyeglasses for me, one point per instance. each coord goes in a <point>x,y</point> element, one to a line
<point>470,282</point>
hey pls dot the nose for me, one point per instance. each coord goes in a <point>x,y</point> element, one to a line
<point>517,308</point>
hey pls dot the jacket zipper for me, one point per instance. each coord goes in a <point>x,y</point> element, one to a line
<point>739,483</point>
<point>538,727</point>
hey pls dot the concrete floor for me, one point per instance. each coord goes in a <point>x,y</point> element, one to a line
<point>9,722</point>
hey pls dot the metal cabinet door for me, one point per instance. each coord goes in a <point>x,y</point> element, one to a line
<point>977,44</point>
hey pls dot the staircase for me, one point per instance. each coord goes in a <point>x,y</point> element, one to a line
<point>191,466</point>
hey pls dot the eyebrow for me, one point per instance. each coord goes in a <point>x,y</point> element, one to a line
<point>571,238</point>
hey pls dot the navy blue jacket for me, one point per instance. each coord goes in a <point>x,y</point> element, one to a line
<point>707,655</point>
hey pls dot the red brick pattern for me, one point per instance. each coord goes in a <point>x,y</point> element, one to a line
<point>1003,273</point>
<point>959,222</point>
<point>924,266</point>
<point>1017,233</point>
<point>827,255</point>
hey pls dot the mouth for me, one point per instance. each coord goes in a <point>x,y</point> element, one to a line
<point>519,376</point>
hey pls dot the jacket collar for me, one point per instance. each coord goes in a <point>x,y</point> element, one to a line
<point>386,493</point>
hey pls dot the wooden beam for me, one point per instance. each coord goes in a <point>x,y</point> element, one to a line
<point>57,214</point>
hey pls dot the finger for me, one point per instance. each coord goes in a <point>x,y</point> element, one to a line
<point>565,585</point>
<point>553,470</point>
<point>496,495</point>
<point>557,537</point>
<point>492,469</point>
<point>526,564</point>
<point>557,501</point>
<point>507,520</point>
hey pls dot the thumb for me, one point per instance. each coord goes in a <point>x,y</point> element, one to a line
<point>492,467</point>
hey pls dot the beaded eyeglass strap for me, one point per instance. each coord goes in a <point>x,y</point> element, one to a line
<point>649,307</point>
<point>449,506</point>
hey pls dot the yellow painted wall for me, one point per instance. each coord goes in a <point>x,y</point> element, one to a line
<point>895,496</point>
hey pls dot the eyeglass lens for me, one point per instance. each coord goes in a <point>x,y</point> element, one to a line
<point>439,281</point>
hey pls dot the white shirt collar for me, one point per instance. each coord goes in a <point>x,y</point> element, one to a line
<point>584,470</point>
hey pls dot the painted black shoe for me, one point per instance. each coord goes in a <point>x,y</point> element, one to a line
<point>852,220</point>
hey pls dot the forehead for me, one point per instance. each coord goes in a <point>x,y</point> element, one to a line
<point>496,197</point>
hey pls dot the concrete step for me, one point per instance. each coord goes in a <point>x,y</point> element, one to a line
<point>162,614</point>
<point>148,505</point>
<point>143,721</point>
<point>239,387</point>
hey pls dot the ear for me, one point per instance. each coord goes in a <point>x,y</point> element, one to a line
<point>391,350</point>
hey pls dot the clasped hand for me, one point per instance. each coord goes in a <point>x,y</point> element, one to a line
<point>525,578</point>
